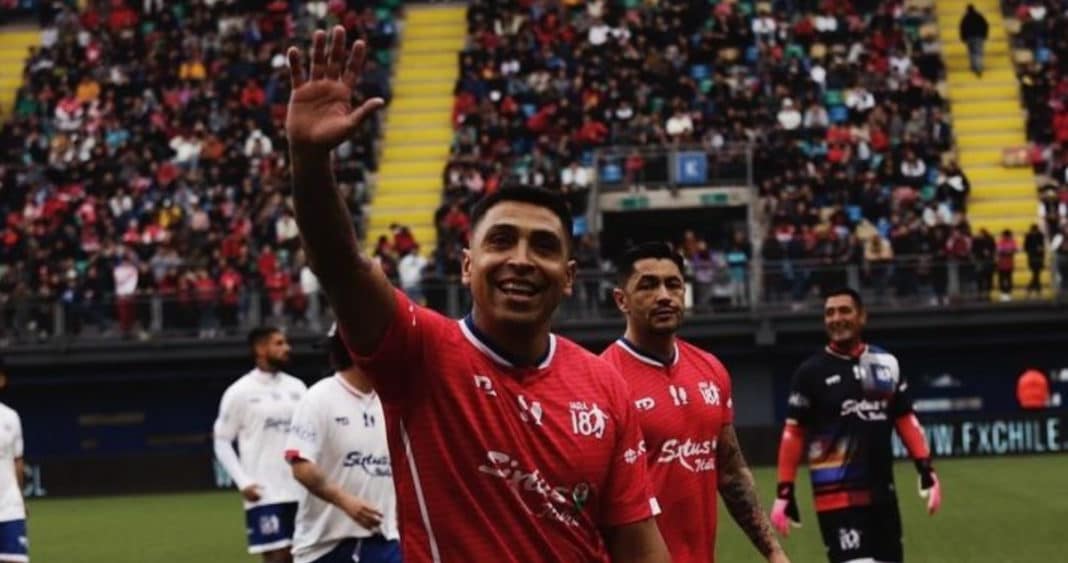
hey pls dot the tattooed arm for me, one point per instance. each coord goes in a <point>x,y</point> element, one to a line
<point>738,490</point>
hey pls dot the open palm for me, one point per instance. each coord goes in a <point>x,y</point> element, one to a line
<point>321,115</point>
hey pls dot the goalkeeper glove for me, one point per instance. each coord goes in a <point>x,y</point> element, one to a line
<point>784,511</point>
<point>930,488</point>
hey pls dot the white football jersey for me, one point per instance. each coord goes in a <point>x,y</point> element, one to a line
<point>341,430</point>
<point>11,506</point>
<point>256,411</point>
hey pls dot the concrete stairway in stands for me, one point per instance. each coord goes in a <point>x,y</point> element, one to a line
<point>14,49</point>
<point>987,118</point>
<point>418,131</point>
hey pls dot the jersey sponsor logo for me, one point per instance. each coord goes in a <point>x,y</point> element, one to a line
<point>798,400</point>
<point>588,420</point>
<point>696,456</point>
<point>304,433</point>
<point>539,497</point>
<point>678,395</point>
<point>373,465</point>
<point>848,539</point>
<point>530,411</point>
<point>833,380</point>
<point>645,404</point>
<point>485,384</point>
<point>864,409</point>
<point>368,420</point>
<point>709,392</point>
<point>279,424</point>
<point>634,454</point>
<point>342,420</point>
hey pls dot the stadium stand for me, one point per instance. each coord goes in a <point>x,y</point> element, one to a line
<point>840,100</point>
<point>854,149</point>
<point>144,155</point>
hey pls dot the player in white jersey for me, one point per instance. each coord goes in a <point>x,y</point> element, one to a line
<point>14,547</point>
<point>255,411</point>
<point>337,448</point>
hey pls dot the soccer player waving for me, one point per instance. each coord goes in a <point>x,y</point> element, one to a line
<point>337,447</point>
<point>683,395</point>
<point>507,443</point>
<point>845,402</point>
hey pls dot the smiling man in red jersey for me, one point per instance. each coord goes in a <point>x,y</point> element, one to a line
<point>683,395</point>
<point>508,443</point>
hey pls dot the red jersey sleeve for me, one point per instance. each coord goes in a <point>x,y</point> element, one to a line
<point>397,366</point>
<point>628,496</point>
<point>728,392</point>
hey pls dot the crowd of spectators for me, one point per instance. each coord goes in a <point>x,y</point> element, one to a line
<point>145,156</point>
<point>851,136</point>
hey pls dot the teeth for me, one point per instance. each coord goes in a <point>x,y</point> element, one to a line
<point>517,287</point>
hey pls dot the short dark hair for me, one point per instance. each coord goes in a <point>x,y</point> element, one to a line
<point>846,290</point>
<point>658,250</point>
<point>552,201</point>
<point>259,334</point>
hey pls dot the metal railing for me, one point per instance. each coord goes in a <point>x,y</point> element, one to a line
<point>712,287</point>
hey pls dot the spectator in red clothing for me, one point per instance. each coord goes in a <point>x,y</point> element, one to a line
<point>230,282</point>
<point>1006,263</point>
<point>267,263</point>
<point>403,240</point>
<point>206,292</point>
<point>277,286</point>
<point>252,95</point>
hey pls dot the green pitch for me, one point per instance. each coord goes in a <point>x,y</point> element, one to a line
<point>1007,510</point>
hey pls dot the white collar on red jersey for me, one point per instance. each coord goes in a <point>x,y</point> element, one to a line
<point>646,358</point>
<point>470,331</point>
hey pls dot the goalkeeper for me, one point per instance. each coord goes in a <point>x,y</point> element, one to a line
<point>845,402</point>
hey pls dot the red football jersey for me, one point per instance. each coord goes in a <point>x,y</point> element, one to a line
<point>682,407</point>
<point>499,463</point>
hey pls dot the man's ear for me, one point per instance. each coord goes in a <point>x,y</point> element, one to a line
<point>620,297</point>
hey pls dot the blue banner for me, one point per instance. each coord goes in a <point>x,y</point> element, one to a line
<point>691,168</point>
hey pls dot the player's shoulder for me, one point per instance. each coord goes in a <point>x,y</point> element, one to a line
<point>325,387</point>
<point>241,384</point>
<point>610,352</point>
<point>703,358</point>
<point>880,352</point>
<point>7,412</point>
<point>816,363</point>
<point>292,381</point>
<point>572,357</point>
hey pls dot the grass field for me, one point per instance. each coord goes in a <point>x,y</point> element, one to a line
<point>1007,510</point>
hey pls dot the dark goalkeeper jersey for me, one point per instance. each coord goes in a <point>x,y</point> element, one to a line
<point>847,407</point>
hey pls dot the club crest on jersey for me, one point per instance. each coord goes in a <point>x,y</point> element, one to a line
<point>588,419</point>
<point>709,392</point>
<point>848,539</point>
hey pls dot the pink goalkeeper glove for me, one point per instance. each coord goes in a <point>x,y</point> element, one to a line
<point>784,512</point>
<point>930,487</point>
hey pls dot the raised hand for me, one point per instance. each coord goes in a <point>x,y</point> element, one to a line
<point>321,115</point>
